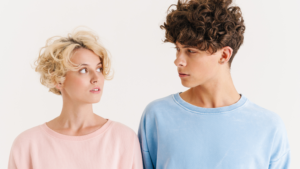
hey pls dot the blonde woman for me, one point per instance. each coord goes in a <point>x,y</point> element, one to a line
<point>75,67</point>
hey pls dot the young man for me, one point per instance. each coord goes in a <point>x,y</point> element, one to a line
<point>211,125</point>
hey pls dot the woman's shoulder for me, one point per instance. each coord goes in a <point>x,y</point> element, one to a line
<point>30,131</point>
<point>28,135</point>
<point>122,131</point>
<point>122,127</point>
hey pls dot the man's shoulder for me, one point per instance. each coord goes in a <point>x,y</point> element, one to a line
<point>263,114</point>
<point>160,104</point>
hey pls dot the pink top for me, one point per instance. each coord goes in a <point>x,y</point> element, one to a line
<point>113,146</point>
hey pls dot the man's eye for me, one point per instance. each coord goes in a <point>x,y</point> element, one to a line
<point>99,69</point>
<point>83,70</point>
<point>190,51</point>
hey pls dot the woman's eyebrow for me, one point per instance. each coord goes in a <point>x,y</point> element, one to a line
<point>84,64</point>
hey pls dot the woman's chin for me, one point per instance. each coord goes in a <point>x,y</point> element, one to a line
<point>91,101</point>
<point>96,101</point>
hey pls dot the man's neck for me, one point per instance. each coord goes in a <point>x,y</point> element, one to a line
<point>213,94</point>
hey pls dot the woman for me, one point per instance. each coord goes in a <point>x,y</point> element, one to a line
<point>75,68</point>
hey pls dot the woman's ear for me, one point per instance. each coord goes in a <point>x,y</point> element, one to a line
<point>58,86</point>
<point>226,54</point>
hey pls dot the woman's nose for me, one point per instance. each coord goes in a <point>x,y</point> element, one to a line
<point>95,77</point>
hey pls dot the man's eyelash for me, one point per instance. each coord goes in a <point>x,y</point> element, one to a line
<point>190,51</point>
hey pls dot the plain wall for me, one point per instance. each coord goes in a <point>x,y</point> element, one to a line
<point>266,68</point>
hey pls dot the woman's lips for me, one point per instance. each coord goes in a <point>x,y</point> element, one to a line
<point>95,90</point>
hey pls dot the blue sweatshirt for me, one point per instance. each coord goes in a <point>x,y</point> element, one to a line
<point>177,135</point>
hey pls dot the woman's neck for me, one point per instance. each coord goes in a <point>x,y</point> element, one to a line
<point>76,119</point>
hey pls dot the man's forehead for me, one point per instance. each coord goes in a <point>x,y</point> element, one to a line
<point>184,46</point>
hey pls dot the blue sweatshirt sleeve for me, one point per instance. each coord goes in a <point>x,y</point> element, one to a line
<point>282,163</point>
<point>147,161</point>
<point>280,157</point>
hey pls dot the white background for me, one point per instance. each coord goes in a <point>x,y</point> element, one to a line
<point>266,68</point>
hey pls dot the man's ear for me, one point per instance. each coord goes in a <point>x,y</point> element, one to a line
<point>226,54</point>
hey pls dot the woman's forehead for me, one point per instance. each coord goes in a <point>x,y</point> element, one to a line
<point>85,56</point>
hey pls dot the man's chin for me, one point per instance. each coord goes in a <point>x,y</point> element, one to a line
<point>189,84</point>
<point>186,84</point>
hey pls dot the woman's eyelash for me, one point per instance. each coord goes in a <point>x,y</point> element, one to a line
<point>86,69</point>
<point>82,69</point>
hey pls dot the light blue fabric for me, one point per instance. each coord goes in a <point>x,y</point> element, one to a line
<point>177,135</point>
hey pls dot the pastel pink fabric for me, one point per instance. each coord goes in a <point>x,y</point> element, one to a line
<point>113,146</point>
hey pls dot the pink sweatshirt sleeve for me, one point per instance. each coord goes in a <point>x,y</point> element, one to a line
<point>137,158</point>
<point>11,162</point>
<point>19,157</point>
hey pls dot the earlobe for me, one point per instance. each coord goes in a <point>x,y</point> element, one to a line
<point>227,52</point>
<point>58,86</point>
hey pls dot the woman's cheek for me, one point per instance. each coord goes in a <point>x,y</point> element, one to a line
<point>80,82</point>
<point>75,82</point>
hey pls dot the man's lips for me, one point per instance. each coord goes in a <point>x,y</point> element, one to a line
<point>183,75</point>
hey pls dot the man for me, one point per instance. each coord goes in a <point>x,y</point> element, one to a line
<point>211,125</point>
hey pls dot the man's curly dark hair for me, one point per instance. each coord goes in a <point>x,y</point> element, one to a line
<point>205,25</point>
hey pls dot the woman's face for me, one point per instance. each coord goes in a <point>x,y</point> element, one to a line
<point>85,85</point>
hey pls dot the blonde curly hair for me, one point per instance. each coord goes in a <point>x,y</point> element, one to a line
<point>54,58</point>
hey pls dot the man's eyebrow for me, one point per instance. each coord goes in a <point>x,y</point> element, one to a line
<point>84,64</point>
<point>186,46</point>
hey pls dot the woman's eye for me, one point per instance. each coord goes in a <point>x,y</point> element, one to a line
<point>83,70</point>
<point>99,69</point>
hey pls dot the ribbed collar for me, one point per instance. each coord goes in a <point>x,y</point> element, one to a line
<point>196,109</point>
<point>76,138</point>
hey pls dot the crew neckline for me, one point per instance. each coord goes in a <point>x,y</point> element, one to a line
<point>55,134</point>
<point>197,109</point>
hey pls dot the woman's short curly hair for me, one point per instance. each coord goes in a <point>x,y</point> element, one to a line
<point>205,24</point>
<point>54,58</point>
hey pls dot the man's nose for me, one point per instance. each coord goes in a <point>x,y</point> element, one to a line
<point>180,60</point>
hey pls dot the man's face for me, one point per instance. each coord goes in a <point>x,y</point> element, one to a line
<point>196,67</point>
